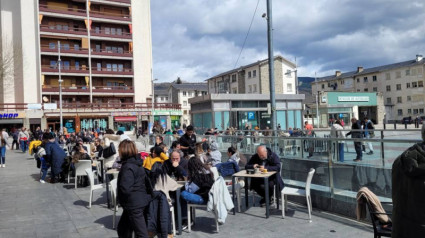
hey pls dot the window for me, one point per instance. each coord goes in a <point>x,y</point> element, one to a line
<point>97,48</point>
<point>166,98</point>
<point>409,111</point>
<point>414,72</point>
<point>97,30</point>
<point>366,90</point>
<point>365,80</point>
<point>419,71</point>
<point>52,45</point>
<point>249,74</point>
<point>254,73</point>
<point>250,89</point>
<point>398,87</point>
<point>184,93</point>
<point>114,49</point>
<point>387,76</point>
<point>107,30</point>
<point>119,31</point>
<point>120,67</point>
<point>421,111</point>
<point>114,67</point>
<point>414,84</point>
<point>234,90</point>
<point>323,86</point>
<point>255,88</point>
<point>375,89</point>
<point>388,100</point>
<point>409,98</point>
<point>58,27</point>
<point>185,112</point>
<point>108,49</point>
<point>162,98</point>
<point>65,65</point>
<point>184,103</point>
<point>112,31</point>
<point>407,72</point>
<point>233,78</point>
<point>120,50</point>
<point>374,78</point>
<point>108,67</point>
<point>77,65</point>
<point>53,64</point>
<point>421,84</point>
<point>400,112</point>
<point>358,80</point>
<point>388,88</point>
<point>189,94</point>
<point>76,47</point>
<point>407,85</point>
<point>397,74</point>
<point>415,111</point>
<point>99,66</point>
<point>289,87</point>
<point>65,46</point>
<point>399,100</point>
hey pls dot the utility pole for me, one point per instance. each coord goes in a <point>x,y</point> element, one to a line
<point>60,89</point>
<point>317,101</point>
<point>271,64</point>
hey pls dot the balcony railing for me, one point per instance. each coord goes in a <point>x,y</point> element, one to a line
<point>46,48</point>
<point>62,10</point>
<point>95,89</point>
<point>112,53</point>
<point>117,71</point>
<point>111,16</point>
<point>65,69</point>
<point>121,1</point>
<point>111,105</point>
<point>103,33</point>
<point>63,30</point>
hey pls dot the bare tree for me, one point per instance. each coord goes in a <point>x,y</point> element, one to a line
<point>10,67</point>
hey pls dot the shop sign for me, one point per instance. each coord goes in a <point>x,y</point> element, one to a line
<point>145,118</point>
<point>50,106</point>
<point>353,99</point>
<point>144,113</point>
<point>34,106</point>
<point>162,113</point>
<point>7,115</point>
<point>251,115</point>
<point>176,113</point>
<point>124,114</point>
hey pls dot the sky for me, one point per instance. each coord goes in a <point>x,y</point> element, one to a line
<point>198,39</point>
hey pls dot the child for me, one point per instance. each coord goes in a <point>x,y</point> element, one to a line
<point>44,164</point>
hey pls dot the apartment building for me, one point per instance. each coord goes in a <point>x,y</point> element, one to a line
<point>254,78</point>
<point>401,85</point>
<point>105,56</point>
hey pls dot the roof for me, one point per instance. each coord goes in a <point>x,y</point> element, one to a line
<point>190,86</point>
<point>161,88</point>
<point>373,70</point>
<point>250,65</point>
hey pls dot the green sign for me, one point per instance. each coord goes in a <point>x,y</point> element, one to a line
<point>360,99</point>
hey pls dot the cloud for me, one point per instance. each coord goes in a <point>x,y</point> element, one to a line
<point>196,39</point>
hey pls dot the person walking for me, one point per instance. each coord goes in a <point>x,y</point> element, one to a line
<point>336,132</point>
<point>368,132</point>
<point>3,144</point>
<point>132,192</point>
<point>309,132</point>
<point>356,133</point>
<point>15,142</point>
<point>23,139</point>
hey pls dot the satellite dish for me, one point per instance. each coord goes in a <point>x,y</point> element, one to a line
<point>45,99</point>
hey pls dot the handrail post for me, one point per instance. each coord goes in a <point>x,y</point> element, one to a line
<point>382,149</point>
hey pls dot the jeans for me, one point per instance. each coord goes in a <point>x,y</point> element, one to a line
<point>369,144</point>
<point>132,220</point>
<point>15,142</point>
<point>3,154</point>
<point>341,152</point>
<point>24,145</point>
<point>358,148</point>
<point>192,198</point>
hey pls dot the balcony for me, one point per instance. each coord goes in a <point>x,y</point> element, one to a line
<point>103,33</point>
<point>85,89</point>
<point>109,53</point>
<point>63,30</point>
<point>79,51</point>
<point>112,71</point>
<point>110,16</point>
<point>83,106</point>
<point>114,2</point>
<point>58,11</point>
<point>65,69</point>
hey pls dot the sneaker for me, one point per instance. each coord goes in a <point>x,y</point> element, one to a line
<point>262,202</point>
<point>370,153</point>
<point>357,160</point>
<point>3,165</point>
<point>42,181</point>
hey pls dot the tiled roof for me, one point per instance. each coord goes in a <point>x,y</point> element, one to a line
<point>191,86</point>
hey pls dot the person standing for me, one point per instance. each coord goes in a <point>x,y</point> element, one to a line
<point>3,144</point>
<point>15,142</point>
<point>132,192</point>
<point>368,131</point>
<point>23,139</point>
<point>309,132</point>
<point>336,132</point>
<point>188,141</point>
<point>55,157</point>
<point>356,133</point>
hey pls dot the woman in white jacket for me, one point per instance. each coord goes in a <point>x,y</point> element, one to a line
<point>108,138</point>
<point>337,132</point>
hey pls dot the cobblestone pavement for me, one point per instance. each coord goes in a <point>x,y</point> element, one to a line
<point>31,209</point>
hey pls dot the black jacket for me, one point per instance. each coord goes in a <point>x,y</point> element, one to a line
<point>187,141</point>
<point>132,185</point>
<point>408,193</point>
<point>272,163</point>
<point>179,172</point>
<point>356,134</point>
<point>204,187</point>
<point>159,216</point>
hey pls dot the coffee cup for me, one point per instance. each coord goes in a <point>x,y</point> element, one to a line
<point>256,170</point>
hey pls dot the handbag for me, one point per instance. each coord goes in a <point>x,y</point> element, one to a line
<point>109,151</point>
<point>191,187</point>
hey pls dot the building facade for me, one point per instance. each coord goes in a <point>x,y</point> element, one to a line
<point>254,79</point>
<point>401,85</point>
<point>105,58</point>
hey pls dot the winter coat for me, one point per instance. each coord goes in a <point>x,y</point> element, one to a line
<point>24,135</point>
<point>337,132</point>
<point>272,163</point>
<point>109,161</point>
<point>179,172</point>
<point>204,187</point>
<point>159,215</point>
<point>132,192</point>
<point>149,161</point>
<point>408,193</point>
<point>215,155</point>
<point>55,156</point>
<point>355,134</point>
<point>219,200</point>
<point>227,168</point>
<point>234,158</point>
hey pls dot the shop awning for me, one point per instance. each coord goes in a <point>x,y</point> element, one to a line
<point>11,121</point>
<point>125,118</point>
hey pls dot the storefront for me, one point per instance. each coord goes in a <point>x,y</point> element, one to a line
<point>168,119</point>
<point>125,121</point>
<point>222,111</point>
<point>11,120</point>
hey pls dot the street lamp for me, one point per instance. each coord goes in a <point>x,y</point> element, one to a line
<point>153,101</point>
<point>60,81</point>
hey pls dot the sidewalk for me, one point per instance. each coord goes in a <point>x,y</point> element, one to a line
<point>31,209</point>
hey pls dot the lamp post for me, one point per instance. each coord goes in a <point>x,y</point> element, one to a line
<point>153,102</point>
<point>60,88</point>
<point>271,63</point>
<point>317,101</point>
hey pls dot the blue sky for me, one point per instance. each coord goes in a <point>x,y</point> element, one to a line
<point>197,39</point>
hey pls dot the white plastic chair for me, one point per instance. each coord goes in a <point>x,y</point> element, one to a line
<point>298,192</point>
<point>93,186</point>
<point>80,169</point>
<point>113,184</point>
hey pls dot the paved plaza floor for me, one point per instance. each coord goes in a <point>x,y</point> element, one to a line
<point>31,209</point>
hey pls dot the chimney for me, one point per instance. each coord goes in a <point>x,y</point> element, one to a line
<point>359,69</point>
<point>337,73</point>
<point>419,58</point>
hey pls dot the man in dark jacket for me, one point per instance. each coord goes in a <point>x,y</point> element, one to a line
<point>408,193</point>
<point>176,167</point>
<point>356,133</point>
<point>55,156</point>
<point>188,141</point>
<point>265,159</point>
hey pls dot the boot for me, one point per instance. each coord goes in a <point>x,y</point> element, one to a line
<point>151,234</point>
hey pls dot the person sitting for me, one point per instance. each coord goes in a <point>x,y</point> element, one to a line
<point>265,159</point>
<point>176,167</point>
<point>199,182</point>
<point>199,152</point>
<point>215,155</point>
<point>157,155</point>
<point>232,165</point>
